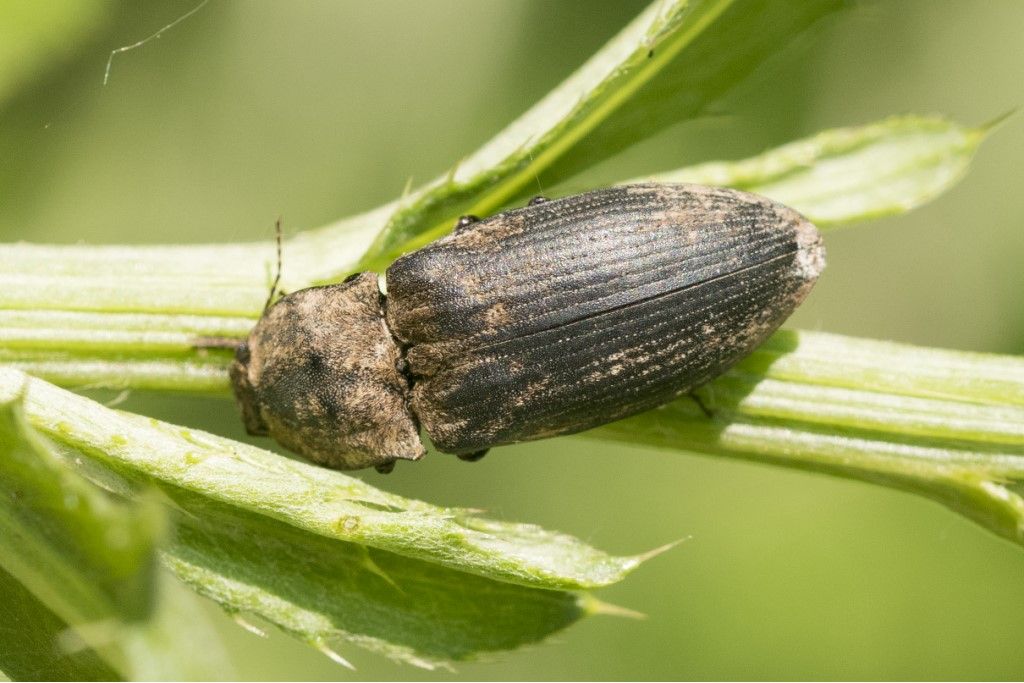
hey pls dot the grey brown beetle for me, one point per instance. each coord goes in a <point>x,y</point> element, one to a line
<point>546,320</point>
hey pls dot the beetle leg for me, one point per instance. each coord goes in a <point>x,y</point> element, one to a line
<point>465,221</point>
<point>700,404</point>
<point>474,456</point>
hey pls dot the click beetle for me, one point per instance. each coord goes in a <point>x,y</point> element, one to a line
<point>550,319</point>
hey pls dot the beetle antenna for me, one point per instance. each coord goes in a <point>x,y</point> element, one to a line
<point>277,277</point>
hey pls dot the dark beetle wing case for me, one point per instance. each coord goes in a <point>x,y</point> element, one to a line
<point>572,313</point>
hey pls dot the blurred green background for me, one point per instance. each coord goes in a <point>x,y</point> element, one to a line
<point>317,109</point>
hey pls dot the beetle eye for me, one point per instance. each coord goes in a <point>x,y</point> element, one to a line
<point>242,352</point>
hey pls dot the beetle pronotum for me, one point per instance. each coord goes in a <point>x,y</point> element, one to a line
<point>550,319</point>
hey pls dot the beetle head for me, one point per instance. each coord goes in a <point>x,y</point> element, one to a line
<point>318,374</point>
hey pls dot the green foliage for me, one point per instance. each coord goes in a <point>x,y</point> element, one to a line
<point>623,94</point>
<point>29,637</point>
<point>722,42</point>
<point>323,591</point>
<point>852,174</point>
<point>77,569</point>
<point>87,556</point>
<point>324,502</point>
<point>85,490</point>
<point>836,177</point>
<point>301,546</point>
<point>69,555</point>
<point>948,425</point>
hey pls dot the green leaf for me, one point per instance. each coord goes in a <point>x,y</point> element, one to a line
<point>845,175</point>
<point>324,502</point>
<point>322,591</point>
<point>948,425</point>
<point>77,571</point>
<point>29,633</point>
<point>726,41</point>
<point>87,556</point>
<point>667,65</point>
<point>264,535</point>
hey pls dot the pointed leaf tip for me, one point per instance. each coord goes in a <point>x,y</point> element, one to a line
<point>333,655</point>
<point>593,606</point>
<point>654,552</point>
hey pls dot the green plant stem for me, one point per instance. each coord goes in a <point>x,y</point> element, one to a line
<point>136,316</point>
<point>120,317</point>
<point>945,424</point>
